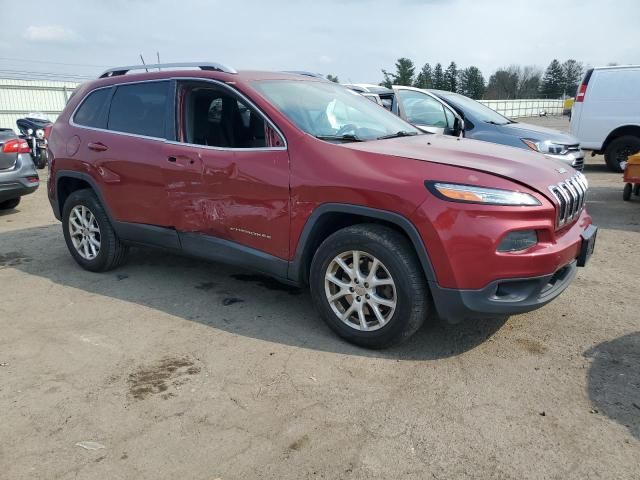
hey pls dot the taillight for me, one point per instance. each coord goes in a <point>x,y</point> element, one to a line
<point>582,90</point>
<point>16,146</point>
<point>47,131</point>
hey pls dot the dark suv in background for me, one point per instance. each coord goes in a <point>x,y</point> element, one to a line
<point>311,183</point>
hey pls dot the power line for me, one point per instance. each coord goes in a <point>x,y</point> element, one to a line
<point>22,60</point>
<point>43,75</point>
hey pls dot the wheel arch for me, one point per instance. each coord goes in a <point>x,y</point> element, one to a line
<point>67,182</point>
<point>331,217</point>
<point>618,132</point>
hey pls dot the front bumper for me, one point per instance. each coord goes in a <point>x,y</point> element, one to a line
<point>573,158</point>
<point>510,296</point>
<point>17,181</point>
<point>502,298</point>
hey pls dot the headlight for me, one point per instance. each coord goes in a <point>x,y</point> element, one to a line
<point>545,147</point>
<point>472,194</point>
<point>40,134</point>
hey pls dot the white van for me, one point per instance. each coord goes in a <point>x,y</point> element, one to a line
<point>606,114</point>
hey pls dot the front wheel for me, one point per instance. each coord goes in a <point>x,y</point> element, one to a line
<point>90,238</point>
<point>368,285</point>
<point>619,150</point>
<point>40,159</point>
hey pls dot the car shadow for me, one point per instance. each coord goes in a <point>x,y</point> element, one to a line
<point>614,380</point>
<point>221,297</point>
<point>10,211</point>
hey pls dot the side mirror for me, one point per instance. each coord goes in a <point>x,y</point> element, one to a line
<point>458,127</point>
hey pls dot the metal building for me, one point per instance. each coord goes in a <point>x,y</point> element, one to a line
<point>20,97</point>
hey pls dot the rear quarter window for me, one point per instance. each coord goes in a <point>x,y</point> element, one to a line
<point>140,109</point>
<point>92,112</point>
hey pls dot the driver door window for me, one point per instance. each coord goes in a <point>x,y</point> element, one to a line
<point>215,117</point>
<point>423,110</point>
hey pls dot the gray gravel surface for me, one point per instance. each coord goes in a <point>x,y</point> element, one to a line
<point>175,368</point>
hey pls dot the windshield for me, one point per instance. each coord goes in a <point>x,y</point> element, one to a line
<point>477,110</point>
<point>332,112</point>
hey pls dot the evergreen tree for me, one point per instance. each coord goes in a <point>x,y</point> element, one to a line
<point>553,82</point>
<point>333,78</point>
<point>572,71</point>
<point>503,84</point>
<point>438,77</point>
<point>425,77</point>
<point>405,72</point>
<point>471,82</point>
<point>451,78</point>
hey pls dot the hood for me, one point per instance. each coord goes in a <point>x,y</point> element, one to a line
<point>534,132</point>
<point>526,167</point>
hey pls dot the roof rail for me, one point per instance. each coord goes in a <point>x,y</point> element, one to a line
<point>305,73</point>
<point>218,67</point>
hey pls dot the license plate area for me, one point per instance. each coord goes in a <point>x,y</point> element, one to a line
<point>588,245</point>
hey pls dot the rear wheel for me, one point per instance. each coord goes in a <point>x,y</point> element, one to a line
<point>368,285</point>
<point>10,204</point>
<point>619,150</point>
<point>626,193</point>
<point>90,238</point>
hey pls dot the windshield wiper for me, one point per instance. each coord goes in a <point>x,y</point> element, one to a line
<point>493,122</point>
<point>349,137</point>
<point>401,133</point>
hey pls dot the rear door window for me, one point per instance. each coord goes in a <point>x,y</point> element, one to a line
<point>140,108</point>
<point>92,112</point>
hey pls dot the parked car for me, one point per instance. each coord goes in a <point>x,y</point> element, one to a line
<point>606,113</point>
<point>439,111</point>
<point>381,95</point>
<point>311,183</point>
<point>18,174</point>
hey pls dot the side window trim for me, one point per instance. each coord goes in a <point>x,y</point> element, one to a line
<point>172,109</point>
<point>170,124</point>
<point>242,97</point>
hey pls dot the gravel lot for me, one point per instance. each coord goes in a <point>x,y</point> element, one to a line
<point>182,369</point>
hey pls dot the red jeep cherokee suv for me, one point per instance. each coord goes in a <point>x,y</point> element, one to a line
<point>311,183</point>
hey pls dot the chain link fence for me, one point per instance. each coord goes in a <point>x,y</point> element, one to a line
<point>525,107</point>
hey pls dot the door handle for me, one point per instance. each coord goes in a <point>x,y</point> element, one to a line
<point>98,147</point>
<point>183,160</point>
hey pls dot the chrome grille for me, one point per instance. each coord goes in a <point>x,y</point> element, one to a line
<point>571,196</point>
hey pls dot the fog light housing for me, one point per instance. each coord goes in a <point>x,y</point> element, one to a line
<point>518,240</point>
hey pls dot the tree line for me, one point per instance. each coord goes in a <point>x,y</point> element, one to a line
<point>506,83</point>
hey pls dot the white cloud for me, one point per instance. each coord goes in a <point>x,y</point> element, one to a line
<point>50,34</point>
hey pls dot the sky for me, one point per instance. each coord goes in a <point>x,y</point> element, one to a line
<point>353,39</point>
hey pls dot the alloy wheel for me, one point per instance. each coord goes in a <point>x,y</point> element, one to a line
<point>360,290</point>
<point>85,232</point>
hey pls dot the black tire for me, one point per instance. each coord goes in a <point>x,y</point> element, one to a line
<point>10,204</point>
<point>626,193</point>
<point>112,251</point>
<point>619,149</point>
<point>39,159</point>
<point>399,258</point>
<point>636,189</point>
